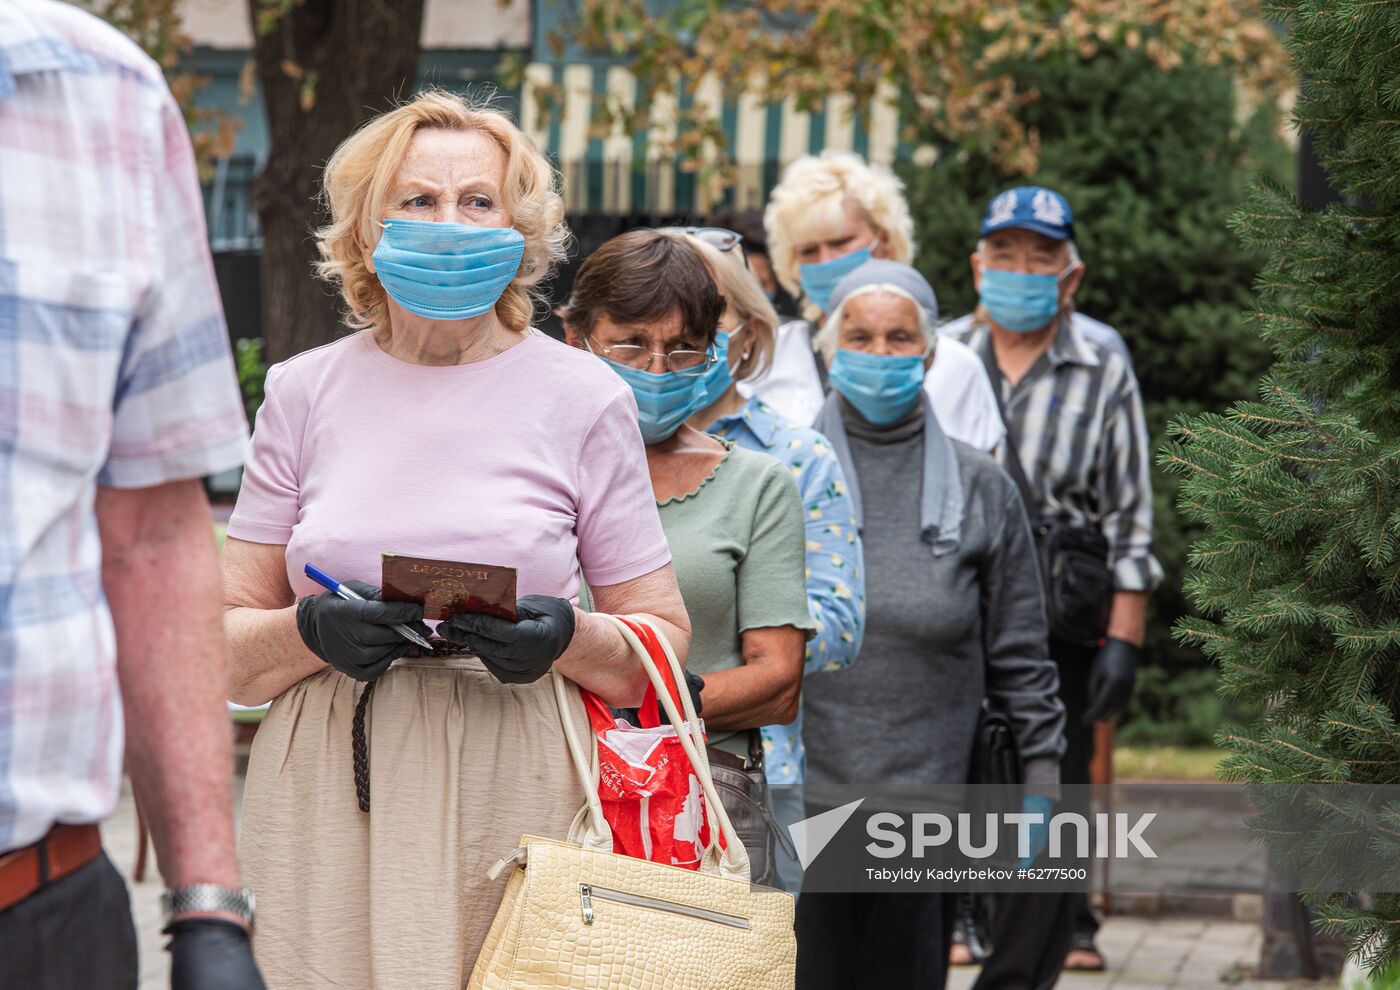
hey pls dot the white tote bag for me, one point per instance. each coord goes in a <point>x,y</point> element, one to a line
<point>576,915</point>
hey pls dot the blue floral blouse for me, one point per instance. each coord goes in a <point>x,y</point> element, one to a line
<point>835,578</point>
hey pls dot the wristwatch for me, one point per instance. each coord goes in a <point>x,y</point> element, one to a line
<point>202,897</point>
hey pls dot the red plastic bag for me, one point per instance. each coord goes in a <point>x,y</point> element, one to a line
<point>651,797</point>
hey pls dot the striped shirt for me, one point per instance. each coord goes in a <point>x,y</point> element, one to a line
<point>1077,421</point>
<point>115,370</point>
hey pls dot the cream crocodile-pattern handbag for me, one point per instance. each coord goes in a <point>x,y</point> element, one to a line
<point>577,915</point>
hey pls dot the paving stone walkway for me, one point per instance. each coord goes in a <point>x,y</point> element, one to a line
<point>1145,954</point>
<point>1168,954</point>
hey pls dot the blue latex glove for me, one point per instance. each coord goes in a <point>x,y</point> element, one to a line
<point>1035,804</point>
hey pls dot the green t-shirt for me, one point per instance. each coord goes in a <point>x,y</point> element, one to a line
<point>739,549</point>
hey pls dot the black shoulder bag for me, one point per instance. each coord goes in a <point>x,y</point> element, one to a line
<point>996,774</point>
<point>1073,559</point>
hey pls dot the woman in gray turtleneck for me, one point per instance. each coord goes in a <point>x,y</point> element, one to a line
<point>954,614</point>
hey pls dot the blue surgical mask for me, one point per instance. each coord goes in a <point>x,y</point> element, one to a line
<point>447,271</point>
<point>664,401</point>
<point>818,280</point>
<point>1018,301</point>
<point>718,376</point>
<point>882,387</point>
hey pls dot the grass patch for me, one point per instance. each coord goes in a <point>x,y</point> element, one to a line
<point>220,531</point>
<point>1165,762</point>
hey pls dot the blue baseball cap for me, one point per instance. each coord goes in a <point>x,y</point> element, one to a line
<point>1030,208</point>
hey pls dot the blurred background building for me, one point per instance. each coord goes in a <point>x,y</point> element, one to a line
<point>612,182</point>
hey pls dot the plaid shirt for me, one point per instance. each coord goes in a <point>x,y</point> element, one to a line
<point>1077,421</point>
<point>114,370</point>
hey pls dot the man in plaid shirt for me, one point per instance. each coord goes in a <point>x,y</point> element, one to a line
<point>117,394</point>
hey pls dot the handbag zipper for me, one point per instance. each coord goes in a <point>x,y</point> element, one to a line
<point>587,891</point>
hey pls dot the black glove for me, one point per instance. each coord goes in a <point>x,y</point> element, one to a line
<point>515,652</point>
<point>1111,679</point>
<point>357,638</point>
<point>694,685</point>
<point>211,954</point>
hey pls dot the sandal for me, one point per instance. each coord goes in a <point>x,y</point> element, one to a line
<point>1084,956</point>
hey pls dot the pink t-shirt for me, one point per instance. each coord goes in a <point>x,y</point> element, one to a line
<point>531,459</point>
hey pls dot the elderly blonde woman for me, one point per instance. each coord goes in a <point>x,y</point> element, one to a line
<point>444,426</point>
<point>835,584</point>
<point>954,614</point>
<point>827,217</point>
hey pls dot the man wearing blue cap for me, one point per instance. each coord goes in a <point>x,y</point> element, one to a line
<point>1077,447</point>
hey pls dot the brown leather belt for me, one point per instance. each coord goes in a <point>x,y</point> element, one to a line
<point>66,849</point>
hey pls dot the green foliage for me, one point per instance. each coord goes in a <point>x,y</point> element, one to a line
<point>252,372</point>
<point>1298,568</point>
<point>1384,979</point>
<point>1153,164</point>
<point>1180,708</point>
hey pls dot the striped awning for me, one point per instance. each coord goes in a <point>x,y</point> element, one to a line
<point>626,174</point>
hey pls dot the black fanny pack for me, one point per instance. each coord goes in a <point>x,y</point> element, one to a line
<point>1073,559</point>
<point>1078,584</point>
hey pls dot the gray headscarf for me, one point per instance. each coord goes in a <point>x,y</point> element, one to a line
<point>941,494</point>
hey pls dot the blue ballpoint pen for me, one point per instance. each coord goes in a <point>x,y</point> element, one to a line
<point>336,588</point>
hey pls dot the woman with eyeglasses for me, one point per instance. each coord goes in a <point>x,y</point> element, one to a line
<point>835,584</point>
<point>645,303</point>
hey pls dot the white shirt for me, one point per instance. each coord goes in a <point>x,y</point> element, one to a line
<point>956,384</point>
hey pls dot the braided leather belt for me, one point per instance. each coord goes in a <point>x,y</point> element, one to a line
<point>441,648</point>
<point>359,745</point>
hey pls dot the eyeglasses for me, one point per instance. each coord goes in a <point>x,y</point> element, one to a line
<point>680,362</point>
<point>719,238</point>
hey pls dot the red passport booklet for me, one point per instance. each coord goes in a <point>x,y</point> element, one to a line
<point>448,587</point>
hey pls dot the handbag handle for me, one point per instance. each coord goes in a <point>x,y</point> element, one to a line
<point>711,859</point>
<point>591,826</point>
<point>734,858</point>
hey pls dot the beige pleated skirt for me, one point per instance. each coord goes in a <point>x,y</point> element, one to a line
<point>397,898</point>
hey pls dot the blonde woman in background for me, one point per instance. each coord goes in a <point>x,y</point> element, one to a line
<point>835,582</point>
<point>828,216</point>
<point>409,436</point>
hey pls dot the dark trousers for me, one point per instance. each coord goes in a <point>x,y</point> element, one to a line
<point>1032,932</point>
<point>846,941</point>
<point>76,933</point>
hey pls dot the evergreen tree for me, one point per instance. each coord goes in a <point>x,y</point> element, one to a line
<point>1154,163</point>
<point>1299,568</point>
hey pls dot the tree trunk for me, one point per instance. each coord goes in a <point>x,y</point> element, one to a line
<point>357,57</point>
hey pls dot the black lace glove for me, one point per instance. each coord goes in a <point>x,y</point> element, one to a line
<point>357,638</point>
<point>516,652</point>
<point>211,954</point>
<point>1111,679</point>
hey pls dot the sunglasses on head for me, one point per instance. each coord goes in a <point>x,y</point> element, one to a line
<point>719,238</point>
